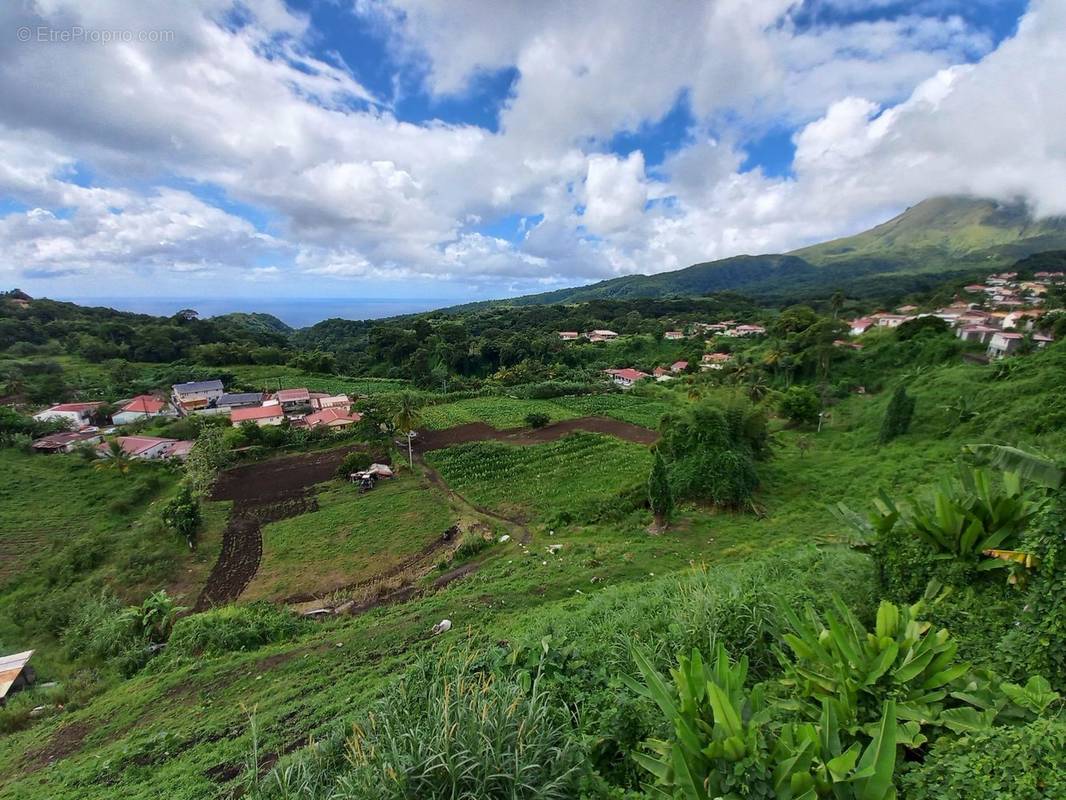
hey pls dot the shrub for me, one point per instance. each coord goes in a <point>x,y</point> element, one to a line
<point>660,498</point>
<point>800,405</point>
<point>233,628</point>
<point>102,630</point>
<point>536,419</point>
<point>898,415</point>
<point>353,462</point>
<point>182,514</point>
<point>471,544</point>
<point>1007,763</point>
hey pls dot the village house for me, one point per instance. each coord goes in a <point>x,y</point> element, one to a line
<point>861,325</point>
<point>142,407</point>
<point>76,414</point>
<point>66,441</point>
<point>293,398</point>
<point>260,415</point>
<point>601,335</point>
<point>906,309</point>
<point>229,401</point>
<point>674,335</point>
<point>142,447</point>
<point>196,395</point>
<point>332,418</point>
<point>715,360</point>
<point>678,367</point>
<point>975,288</point>
<point>748,330</point>
<point>15,674</point>
<point>179,450</point>
<point>569,336</point>
<point>1002,343</point>
<point>976,333</point>
<point>626,377</point>
<point>320,401</point>
<point>662,374</point>
<point>891,320</point>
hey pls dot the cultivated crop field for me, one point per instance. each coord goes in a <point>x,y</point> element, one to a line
<point>499,412</point>
<point>271,377</point>
<point>643,411</point>
<point>351,538</point>
<point>538,481</point>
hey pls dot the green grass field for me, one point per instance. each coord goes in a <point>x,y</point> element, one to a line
<point>509,412</point>
<point>351,538</point>
<point>635,409</point>
<point>181,724</point>
<point>539,480</point>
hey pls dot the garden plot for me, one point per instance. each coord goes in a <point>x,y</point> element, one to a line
<point>499,412</point>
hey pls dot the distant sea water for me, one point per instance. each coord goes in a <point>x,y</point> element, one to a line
<point>296,312</point>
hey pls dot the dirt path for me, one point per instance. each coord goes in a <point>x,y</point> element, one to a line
<point>261,493</point>
<point>480,431</point>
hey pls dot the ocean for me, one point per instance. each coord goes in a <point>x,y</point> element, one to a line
<point>297,312</point>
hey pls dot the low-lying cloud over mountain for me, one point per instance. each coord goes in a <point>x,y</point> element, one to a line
<point>478,149</point>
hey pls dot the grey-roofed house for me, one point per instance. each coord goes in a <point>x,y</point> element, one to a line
<point>239,400</point>
<point>197,392</point>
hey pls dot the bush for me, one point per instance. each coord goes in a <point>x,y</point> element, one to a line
<point>1007,763</point>
<point>536,419</point>
<point>353,462</point>
<point>182,514</point>
<point>471,544</point>
<point>233,628</point>
<point>800,405</point>
<point>103,630</point>
<point>898,415</point>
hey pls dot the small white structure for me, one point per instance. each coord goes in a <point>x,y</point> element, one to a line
<point>195,394</point>
<point>1002,343</point>
<point>142,447</point>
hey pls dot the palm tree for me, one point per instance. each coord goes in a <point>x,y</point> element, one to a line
<point>114,457</point>
<point>406,419</point>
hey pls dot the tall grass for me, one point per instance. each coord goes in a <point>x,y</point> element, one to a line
<point>446,732</point>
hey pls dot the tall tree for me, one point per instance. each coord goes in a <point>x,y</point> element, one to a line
<point>660,497</point>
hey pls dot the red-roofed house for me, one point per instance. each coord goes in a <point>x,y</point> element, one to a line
<point>146,447</point>
<point>142,407</point>
<point>66,441</point>
<point>976,333</point>
<point>179,450</point>
<point>626,377</point>
<point>78,414</point>
<point>715,360</point>
<point>1002,343</point>
<point>291,398</point>
<point>260,415</point>
<point>678,366</point>
<point>569,336</point>
<point>332,418</point>
<point>861,325</point>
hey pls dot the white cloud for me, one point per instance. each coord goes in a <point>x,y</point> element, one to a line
<point>248,110</point>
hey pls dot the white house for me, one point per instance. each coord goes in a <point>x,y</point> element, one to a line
<point>293,398</point>
<point>1003,343</point>
<point>143,447</point>
<point>626,377</point>
<point>601,335</point>
<point>861,325</point>
<point>77,414</point>
<point>674,335</point>
<point>715,360</point>
<point>569,336</point>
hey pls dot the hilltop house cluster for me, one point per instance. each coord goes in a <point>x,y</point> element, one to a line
<point>301,407</point>
<point>1010,310</point>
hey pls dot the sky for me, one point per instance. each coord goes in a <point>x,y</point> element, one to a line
<point>454,149</point>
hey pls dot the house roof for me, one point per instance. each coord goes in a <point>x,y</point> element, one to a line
<point>144,404</point>
<point>10,667</point>
<point>240,399</point>
<point>75,406</point>
<point>716,357</point>
<point>327,400</point>
<point>628,374</point>
<point>679,365</point>
<point>197,386</point>
<point>602,333</point>
<point>180,449</point>
<point>135,445</point>
<point>292,395</point>
<point>59,440</point>
<point>331,416</point>
<point>256,412</point>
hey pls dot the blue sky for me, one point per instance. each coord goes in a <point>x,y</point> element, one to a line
<point>454,150</point>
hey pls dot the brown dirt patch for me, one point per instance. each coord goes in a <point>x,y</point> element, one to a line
<point>480,431</point>
<point>264,492</point>
<point>455,574</point>
<point>64,742</point>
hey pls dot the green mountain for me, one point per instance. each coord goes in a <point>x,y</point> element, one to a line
<point>939,239</point>
<point>256,321</point>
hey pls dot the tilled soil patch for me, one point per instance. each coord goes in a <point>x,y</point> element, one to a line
<point>480,431</point>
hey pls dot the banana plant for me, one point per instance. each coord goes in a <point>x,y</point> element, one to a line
<point>876,524</point>
<point>719,745</point>
<point>855,670</point>
<point>973,514</point>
